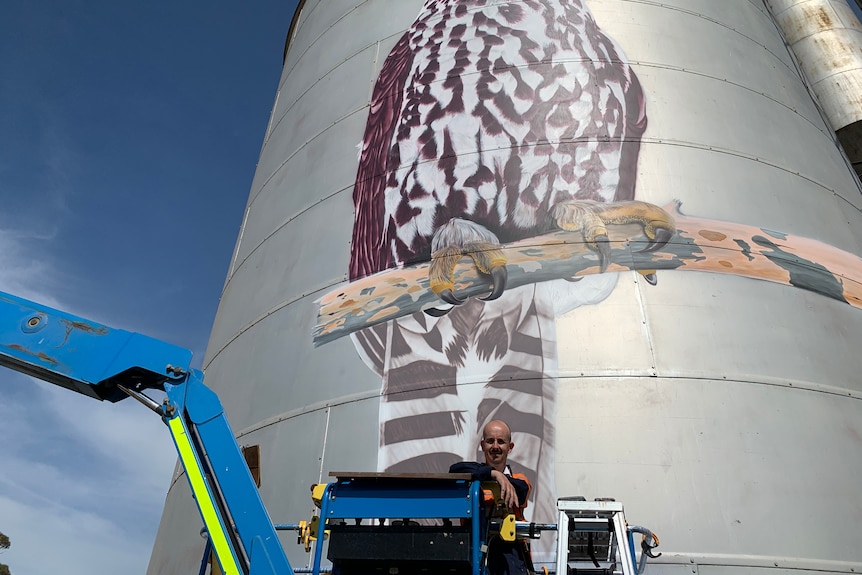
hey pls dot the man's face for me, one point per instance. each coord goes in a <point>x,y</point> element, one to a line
<point>496,444</point>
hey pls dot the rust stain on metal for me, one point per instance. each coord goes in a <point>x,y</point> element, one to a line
<point>822,20</point>
<point>85,327</point>
<point>40,355</point>
<point>81,326</point>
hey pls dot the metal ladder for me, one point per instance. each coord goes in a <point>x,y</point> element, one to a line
<point>593,538</point>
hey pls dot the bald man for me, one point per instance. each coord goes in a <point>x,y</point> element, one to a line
<point>504,558</point>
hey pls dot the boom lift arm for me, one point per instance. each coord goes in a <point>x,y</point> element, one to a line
<point>112,364</point>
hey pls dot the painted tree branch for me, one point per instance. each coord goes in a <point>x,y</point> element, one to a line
<point>699,244</point>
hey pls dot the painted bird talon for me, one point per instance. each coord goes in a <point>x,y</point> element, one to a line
<point>592,218</point>
<point>662,237</point>
<point>437,312</point>
<point>449,297</point>
<point>500,277</point>
<point>454,240</point>
<point>603,247</point>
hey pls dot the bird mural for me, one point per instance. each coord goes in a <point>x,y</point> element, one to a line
<point>491,122</point>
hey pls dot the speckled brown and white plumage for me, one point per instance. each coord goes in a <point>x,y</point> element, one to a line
<point>490,111</point>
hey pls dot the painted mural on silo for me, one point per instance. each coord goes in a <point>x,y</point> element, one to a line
<point>490,124</point>
<point>497,190</point>
<point>566,162</point>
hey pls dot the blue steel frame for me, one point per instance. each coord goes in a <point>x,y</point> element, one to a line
<point>394,498</point>
<point>94,359</point>
<point>238,508</point>
<point>83,355</point>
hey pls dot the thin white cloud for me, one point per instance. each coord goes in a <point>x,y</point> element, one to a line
<point>53,538</point>
<point>96,473</point>
<point>83,481</point>
<point>22,273</point>
<point>133,437</point>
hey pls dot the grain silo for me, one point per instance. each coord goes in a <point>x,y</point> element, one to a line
<point>679,226</point>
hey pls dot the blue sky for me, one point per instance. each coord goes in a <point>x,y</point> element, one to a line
<point>129,134</point>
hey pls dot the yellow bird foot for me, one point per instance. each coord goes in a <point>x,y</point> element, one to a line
<point>592,218</point>
<point>454,240</point>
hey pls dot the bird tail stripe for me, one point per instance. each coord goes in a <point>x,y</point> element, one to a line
<point>396,453</point>
<point>423,426</point>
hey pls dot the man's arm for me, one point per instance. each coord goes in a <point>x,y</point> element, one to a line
<point>479,471</point>
<point>522,488</point>
<point>514,491</point>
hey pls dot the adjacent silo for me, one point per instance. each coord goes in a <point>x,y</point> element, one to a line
<point>716,397</point>
<point>826,38</point>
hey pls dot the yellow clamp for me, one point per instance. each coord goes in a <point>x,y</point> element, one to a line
<point>317,494</point>
<point>507,528</point>
<point>308,532</point>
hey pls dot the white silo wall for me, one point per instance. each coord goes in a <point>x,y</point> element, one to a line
<point>721,405</point>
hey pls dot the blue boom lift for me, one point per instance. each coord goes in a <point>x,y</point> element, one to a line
<point>372,522</point>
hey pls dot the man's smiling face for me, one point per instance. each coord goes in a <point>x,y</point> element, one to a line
<point>496,444</point>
